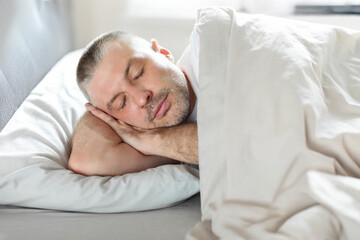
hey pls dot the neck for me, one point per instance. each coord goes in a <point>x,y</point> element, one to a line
<point>192,96</point>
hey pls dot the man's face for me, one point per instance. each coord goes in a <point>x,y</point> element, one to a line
<point>140,87</point>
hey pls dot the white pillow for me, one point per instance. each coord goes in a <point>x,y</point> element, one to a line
<point>34,151</point>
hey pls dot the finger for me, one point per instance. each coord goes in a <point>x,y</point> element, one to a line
<point>89,107</point>
<point>118,126</point>
<point>101,114</point>
<point>139,129</point>
<point>95,111</point>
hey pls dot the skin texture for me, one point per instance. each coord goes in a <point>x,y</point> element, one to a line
<point>136,96</point>
<point>143,127</point>
<point>96,149</point>
<point>179,142</point>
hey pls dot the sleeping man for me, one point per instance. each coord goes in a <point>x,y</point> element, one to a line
<point>143,107</point>
<point>278,121</point>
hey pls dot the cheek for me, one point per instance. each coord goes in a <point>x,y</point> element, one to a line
<point>159,72</point>
<point>131,115</point>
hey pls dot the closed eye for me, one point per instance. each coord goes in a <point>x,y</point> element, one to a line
<point>140,74</point>
<point>123,104</point>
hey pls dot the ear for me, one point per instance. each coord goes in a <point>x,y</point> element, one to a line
<point>157,48</point>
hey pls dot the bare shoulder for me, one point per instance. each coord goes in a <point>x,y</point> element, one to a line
<point>91,140</point>
<point>90,128</point>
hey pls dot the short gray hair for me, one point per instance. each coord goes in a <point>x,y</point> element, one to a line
<point>92,57</point>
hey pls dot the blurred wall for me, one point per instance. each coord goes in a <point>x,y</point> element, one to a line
<point>93,17</point>
<point>171,22</point>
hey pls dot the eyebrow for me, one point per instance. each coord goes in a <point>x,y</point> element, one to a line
<point>126,75</point>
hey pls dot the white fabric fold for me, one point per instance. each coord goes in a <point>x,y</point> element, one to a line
<point>279,128</point>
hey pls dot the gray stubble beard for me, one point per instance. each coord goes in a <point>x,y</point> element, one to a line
<point>182,100</point>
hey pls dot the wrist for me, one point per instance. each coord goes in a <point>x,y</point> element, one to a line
<point>157,142</point>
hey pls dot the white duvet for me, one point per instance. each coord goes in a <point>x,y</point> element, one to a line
<point>279,128</point>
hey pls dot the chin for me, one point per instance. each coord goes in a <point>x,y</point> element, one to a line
<point>173,117</point>
<point>163,123</point>
<point>178,119</point>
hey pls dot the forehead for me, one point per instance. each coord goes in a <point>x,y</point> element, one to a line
<point>118,53</point>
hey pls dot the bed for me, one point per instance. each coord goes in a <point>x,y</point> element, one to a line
<point>39,197</point>
<point>284,167</point>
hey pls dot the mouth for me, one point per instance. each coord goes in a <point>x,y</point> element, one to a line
<point>161,108</point>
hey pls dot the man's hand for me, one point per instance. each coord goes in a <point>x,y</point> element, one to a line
<point>179,142</point>
<point>97,150</point>
<point>138,138</point>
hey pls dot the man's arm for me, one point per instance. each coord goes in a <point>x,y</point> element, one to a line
<point>179,142</point>
<point>98,150</point>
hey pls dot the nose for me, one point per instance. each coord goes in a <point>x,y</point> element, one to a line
<point>141,97</point>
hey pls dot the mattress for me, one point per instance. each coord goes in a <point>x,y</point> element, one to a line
<point>37,224</point>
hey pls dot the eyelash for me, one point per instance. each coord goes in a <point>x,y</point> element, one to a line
<point>123,103</point>
<point>140,74</point>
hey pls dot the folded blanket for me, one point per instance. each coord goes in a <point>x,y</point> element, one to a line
<point>279,128</point>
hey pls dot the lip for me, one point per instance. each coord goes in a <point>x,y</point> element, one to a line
<point>161,108</point>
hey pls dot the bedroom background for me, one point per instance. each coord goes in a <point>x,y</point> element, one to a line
<point>35,34</point>
<point>171,21</point>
